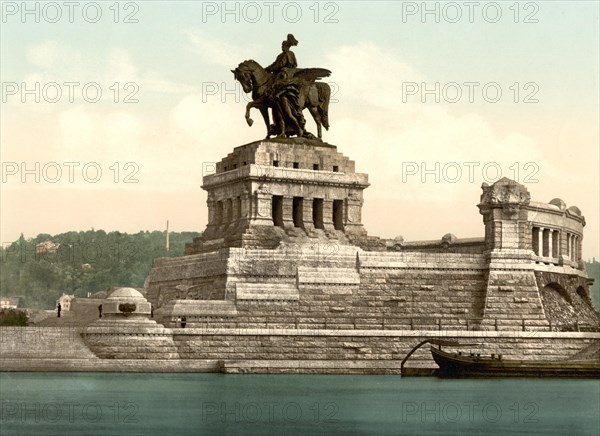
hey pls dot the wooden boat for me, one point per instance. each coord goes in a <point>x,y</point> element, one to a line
<point>474,365</point>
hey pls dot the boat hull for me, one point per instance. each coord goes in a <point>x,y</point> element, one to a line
<point>453,365</point>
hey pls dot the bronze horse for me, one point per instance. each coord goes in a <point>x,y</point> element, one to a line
<point>312,95</point>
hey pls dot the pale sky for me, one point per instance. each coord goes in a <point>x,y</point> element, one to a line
<point>174,64</point>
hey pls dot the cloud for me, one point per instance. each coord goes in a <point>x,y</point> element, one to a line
<point>216,51</point>
<point>388,137</point>
<point>53,55</point>
<point>120,67</point>
<point>59,62</point>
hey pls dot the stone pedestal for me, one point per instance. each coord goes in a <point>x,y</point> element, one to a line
<point>258,188</point>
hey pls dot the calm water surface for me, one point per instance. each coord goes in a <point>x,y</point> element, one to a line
<point>217,404</point>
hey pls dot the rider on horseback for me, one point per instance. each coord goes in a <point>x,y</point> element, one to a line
<point>286,90</point>
<point>285,59</point>
<point>285,93</point>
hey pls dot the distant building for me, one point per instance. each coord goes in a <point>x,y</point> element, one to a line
<point>65,301</point>
<point>86,266</point>
<point>9,302</point>
<point>46,247</point>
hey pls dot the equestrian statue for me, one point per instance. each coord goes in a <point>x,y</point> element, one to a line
<point>287,90</point>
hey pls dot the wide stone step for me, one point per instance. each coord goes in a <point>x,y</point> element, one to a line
<point>267,291</point>
<point>338,276</point>
<point>177,308</point>
<point>109,365</point>
<point>43,342</point>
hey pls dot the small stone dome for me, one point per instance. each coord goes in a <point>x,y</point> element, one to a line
<point>126,293</point>
<point>558,202</point>
<point>575,210</point>
<point>449,238</point>
<point>126,303</point>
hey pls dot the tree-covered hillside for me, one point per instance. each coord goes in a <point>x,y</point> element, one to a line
<point>80,263</point>
<point>87,262</point>
<point>593,270</point>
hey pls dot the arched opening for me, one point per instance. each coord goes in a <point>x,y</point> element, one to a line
<point>318,213</point>
<point>338,214</point>
<point>277,210</point>
<point>298,212</point>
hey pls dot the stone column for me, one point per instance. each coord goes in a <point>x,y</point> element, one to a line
<point>545,244</point>
<point>288,208</point>
<point>540,236</point>
<point>328,216</point>
<point>212,225</point>
<point>227,212</point>
<point>235,209</point>
<point>550,232</point>
<point>307,215</point>
<point>245,207</point>
<point>228,220</point>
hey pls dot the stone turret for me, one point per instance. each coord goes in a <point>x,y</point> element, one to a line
<point>512,297</point>
<point>504,209</point>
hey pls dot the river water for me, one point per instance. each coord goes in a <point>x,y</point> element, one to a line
<point>217,404</point>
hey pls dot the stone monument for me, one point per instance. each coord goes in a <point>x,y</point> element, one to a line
<point>285,248</point>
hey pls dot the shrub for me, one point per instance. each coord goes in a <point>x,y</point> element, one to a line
<point>13,317</point>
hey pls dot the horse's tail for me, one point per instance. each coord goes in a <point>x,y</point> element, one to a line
<point>323,107</point>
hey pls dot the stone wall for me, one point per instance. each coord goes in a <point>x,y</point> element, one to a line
<point>264,350</point>
<point>374,347</point>
<point>330,286</point>
<point>336,286</point>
